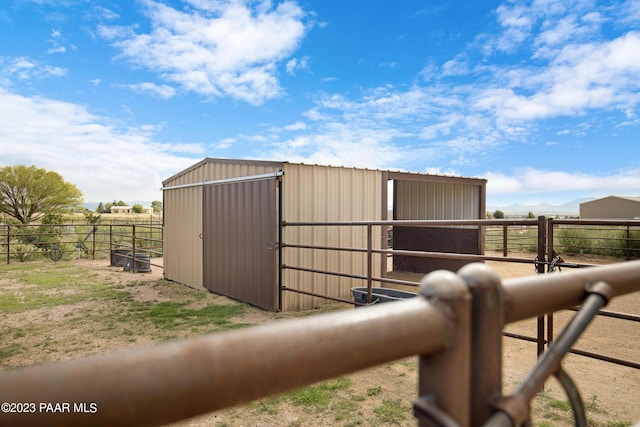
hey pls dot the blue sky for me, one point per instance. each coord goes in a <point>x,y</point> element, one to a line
<point>541,98</point>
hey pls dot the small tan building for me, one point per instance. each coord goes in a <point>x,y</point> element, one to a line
<point>225,225</point>
<point>129,210</point>
<point>611,207</point>
<point>121,210</point>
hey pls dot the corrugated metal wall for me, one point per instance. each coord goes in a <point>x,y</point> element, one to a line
<point>611,207</point>
<point>437,200</point>
<point>319,193</point>
<point>182,229</point>
<point>183,255</point>
<point>440,199</point>
<point>240,234</point>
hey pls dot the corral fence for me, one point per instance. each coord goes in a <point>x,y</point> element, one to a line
<point>122,243</point>
<point>455,326</point>
<point>538,242</point>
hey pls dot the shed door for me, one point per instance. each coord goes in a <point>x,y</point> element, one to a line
<point>240,243</point>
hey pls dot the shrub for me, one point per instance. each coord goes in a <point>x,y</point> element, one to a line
<point>630,243</point>
<point>574,240</point>
<point>22,251</point>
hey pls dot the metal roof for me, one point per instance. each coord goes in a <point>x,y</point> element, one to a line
<point>393,174</point>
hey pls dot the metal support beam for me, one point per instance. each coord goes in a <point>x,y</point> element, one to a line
<point>487,322</point>
<point>444,377</point>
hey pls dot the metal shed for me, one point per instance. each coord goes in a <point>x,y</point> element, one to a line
<point>223,223</point>
<point>611,207</point>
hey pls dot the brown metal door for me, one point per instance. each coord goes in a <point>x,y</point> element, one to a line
<point>239,241</point>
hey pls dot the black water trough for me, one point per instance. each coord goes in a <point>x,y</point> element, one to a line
<point>380,295</point>
<point>143,263</point>
<point>119,256</point>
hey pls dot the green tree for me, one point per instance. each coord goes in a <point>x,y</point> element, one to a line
<point>157,206</point>
<point>45,235</point>
<point>530,215</point>
<point>100,208</point>
<point>498,214</point>
<point>137,208</point>
<point>28,193</point>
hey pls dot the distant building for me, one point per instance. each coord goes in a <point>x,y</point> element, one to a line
<point>611,207</point>
<point>128,210</point>
<point>121,210</point>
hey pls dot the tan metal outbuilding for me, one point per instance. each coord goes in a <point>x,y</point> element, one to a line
<point>223,224</point>
<point>611,207</point>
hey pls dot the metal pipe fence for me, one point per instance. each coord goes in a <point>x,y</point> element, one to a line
<point>21,242</point>
<point>458,340</point>
<point>542,236</point>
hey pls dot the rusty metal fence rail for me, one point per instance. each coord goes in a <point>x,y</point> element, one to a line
<point>543,236</point>
<point>455,326</point>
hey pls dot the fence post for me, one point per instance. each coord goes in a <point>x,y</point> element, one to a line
<point>505,238</point>
<point>627,246</point>
<point>369,264</point>
<point>93,243</point>
<point>133,244</point>
<point>550,253</point>
<point>487,322</point>
<point>542,244</point>
<point>8,243</point>
<point>445,377</point>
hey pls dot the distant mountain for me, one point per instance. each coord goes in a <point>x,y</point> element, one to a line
<point>568,208</point>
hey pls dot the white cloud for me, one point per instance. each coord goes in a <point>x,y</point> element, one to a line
<point>545,22</point>
<point>163,91</point>
<point>57,49</point>
<point>103,160</point>
<point>296,126</point>
<point>629,11</point>
<point>441,171</point>
<point>581,77</point>
<point>442,128</point>
<point>225,143</point>
<point>516,20</point>
<point>456,66</point>
<point>25,68</point>
<point>56,41</point>
<point>530,181</point>
<point>105,13</point>
<point>216,48</point>
<point>295,64</point>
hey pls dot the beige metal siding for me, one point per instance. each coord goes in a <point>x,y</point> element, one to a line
<point>183,252</point>
<point>182,229</point>
<point>437,200</point>
<point>611,207</point>
<point>319,193</point>
<point>214,169</point>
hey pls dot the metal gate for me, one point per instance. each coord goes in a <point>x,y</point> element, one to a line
<point>240,244</point>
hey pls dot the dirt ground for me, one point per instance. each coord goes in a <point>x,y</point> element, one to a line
<point>614,390</point>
